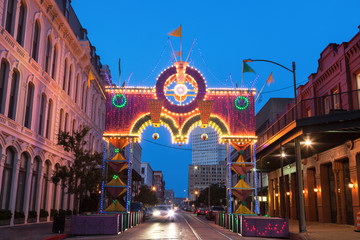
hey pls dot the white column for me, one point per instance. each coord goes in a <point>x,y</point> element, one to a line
<point>8,90</point>
<point>58,193</point>
<point>13,190</point>
<point>2,163</point>
<point>39,193</point>
<point>28,191</point>
<point>49,196</point>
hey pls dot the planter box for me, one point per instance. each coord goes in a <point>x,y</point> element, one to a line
<point>43,219</point>
<point>265,227</point>
<point>19,220</point>
<point>31,220</point>
<point>4,222</point>
<point>95,225</point>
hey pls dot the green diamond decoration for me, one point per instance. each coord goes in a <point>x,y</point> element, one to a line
<point>115,177</point>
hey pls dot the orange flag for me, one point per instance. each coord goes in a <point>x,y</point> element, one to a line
<point>90,77</point>
<point>176,32</point>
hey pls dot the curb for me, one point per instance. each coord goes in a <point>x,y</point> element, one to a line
<point>298,236</point>
<point>57,237</point>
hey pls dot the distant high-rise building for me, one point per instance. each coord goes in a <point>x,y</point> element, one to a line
<point>169,196</point>
<point>207,152</point>
<point>147,174</point>
<point>159,184</point>
<point>201,176</point>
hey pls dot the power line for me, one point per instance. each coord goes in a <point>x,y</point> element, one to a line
<point>183,149</point>
<point>280,89</point>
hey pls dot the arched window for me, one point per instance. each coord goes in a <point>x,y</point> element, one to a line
<point>73,126</point>
<point>21,24</point>
<point>77,87</point>
<point>6,183</point>
<point>20,194</point>
<point>13,94</point>
<point>48,55</point>
<point>61,119</point>
<point>45,184</point>
<point>34,183</point>
<point>29,105</point>
<point>86,97</point>
<point>54,61</point>
<point>10,15</point>
<point>92,107</point>
<point>42,114</point>
<point>65,74</point>
<point>36,41</point>
<point>66,122</point>
<point>70,78</point>
<point>49,119</point>
<point>4,77</point>
<point>83,96</point>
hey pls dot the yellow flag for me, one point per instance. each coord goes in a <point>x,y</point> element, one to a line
<point>91,77</point>
<point>178,53</point>
<point>270,79</point>
<point>176,32</point>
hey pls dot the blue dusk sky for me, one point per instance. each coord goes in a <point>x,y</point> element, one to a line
<point>226,32</point>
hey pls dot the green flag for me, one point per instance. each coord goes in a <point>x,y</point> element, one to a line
<point>247,68</point>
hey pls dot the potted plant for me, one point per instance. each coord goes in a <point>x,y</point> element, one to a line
<point>53,212</point>
<point>43,215</point>
<point>32,217</point>
<point>5,217</point>
<point>19,218</point>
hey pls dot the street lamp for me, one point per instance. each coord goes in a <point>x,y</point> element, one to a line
<point>154,188</point>
<point>301,209</point>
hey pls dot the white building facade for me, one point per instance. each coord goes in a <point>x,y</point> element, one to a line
<point>45,60</point>
<point>147,174</point>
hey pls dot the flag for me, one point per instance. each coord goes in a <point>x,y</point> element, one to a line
<point>176,32</point>
<point>119,70</point>
<point>90,77</point>
<point>247,68</point>
<point>178,53</point>
<point>270,79</point>
<point>123,85</point>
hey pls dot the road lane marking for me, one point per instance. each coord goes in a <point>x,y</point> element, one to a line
<point>203,222</point>
<point>194,232</point>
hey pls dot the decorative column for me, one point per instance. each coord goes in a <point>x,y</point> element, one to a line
<point>13,190</point>
<point>28,191</point>
<point>2,164</point>
<point>271,197</point>
<point>39,193</point>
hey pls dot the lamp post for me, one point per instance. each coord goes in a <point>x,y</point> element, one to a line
<point>300,196</point>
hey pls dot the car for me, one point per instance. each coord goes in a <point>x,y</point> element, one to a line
<point>201,211</point>
<point>210,214</point>
<point>164,212</point>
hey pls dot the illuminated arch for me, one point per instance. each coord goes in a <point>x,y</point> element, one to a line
<point>216,122</point>
<point>145,120</point>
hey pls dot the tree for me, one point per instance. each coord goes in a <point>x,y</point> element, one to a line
<point>82,177</point>
<point>217,193</point>
<point>146,196</point>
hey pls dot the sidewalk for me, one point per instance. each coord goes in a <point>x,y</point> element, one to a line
<point>33,231</point>
<point>323,231</point>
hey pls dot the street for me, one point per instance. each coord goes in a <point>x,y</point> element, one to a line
<point>185,226</point>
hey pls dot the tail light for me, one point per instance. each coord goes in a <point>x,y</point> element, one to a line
<point>206,211</point>
<point>198,210</point>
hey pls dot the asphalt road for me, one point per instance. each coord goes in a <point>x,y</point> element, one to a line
<point>185,226</point>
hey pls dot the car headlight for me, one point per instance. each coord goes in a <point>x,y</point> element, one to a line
<point>171,213</point>
<point>157,213</point>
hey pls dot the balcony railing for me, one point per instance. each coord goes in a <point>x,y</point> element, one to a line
<point>313,107</point>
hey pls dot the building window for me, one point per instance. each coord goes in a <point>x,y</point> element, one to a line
<point>42,114</point>
<point>73,126</point>
<point>65,74</point>
<point>54,61</point>
<point>70,78</point>
<point>49,119</point>
<point>4,76</point>
<point>36,41</point>
<point>86,97</point>
<point>48,55</point>
<point>335,98</point>
<point>77,87</point>
<point>10,13</point>
<point>61,119</point>
<point>29,105</point>
<point>6,183</point>
<point>24,161</point>
<point>21,24</point>
<point>309,112</point>
<point>13,94</point>
<point>66,122</point>
<point>67,10</point>
<point>142,170</point>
